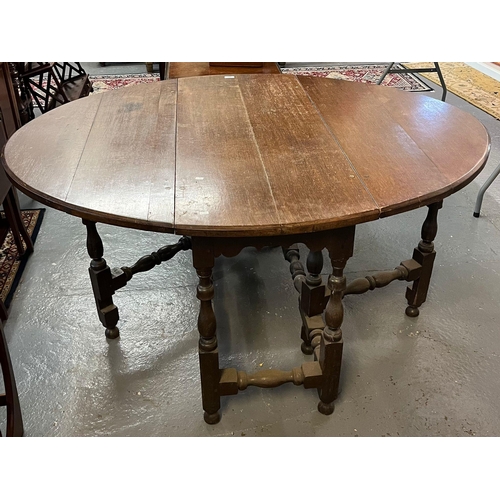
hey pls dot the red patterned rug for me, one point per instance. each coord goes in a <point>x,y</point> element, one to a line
<point>11,264</point>
<point>366,73</point>
<point>102,83</point>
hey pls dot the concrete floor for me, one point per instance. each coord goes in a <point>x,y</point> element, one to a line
<point>435,375</point>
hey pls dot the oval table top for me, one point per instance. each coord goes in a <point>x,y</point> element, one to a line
<point>246,155</point>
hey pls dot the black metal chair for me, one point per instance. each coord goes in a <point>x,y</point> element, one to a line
<point>436,69</point>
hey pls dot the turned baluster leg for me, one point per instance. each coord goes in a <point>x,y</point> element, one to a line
<point>314,267</point>
<point>312,299</point>
<point>327,342</point>
<point>207,347</point>
<point>424,254</point>
<point>101,279</point>
<point>330,348</point>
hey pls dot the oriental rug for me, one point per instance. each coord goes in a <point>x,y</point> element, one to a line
<point>365,73</point>
<point>11,264</point>
<point>103,83</point>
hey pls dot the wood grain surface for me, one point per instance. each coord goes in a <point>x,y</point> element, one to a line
<point>188,69</point>
<point>246,155</point>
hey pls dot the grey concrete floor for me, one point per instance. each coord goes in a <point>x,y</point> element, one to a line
<point>435,375</point>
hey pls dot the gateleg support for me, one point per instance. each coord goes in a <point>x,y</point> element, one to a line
<point>424,254</point>
<point>101,279</point>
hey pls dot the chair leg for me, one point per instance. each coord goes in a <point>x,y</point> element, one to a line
<point>441,79</point>
<point>484,187</point>
<point>163,70</point>
<point>3,311</point>
<point>13,215</point>
<point>385,73</point>
<point>10,399</point>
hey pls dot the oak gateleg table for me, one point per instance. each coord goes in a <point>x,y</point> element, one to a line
<point>233,161</point>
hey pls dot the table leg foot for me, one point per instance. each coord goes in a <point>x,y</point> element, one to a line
<point>212,419</point>
<point>326,408</point>
<point>112,333</point>
<point>306,348</point>
<point>412,311</point>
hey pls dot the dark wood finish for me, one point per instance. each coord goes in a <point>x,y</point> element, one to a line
<point>165,253</point>
<point>379,280</point>
<point>391,140</point>
<point>300,154</point>
<point>216,151</point>
<point>324,375</point>
<point>424,255</point>
<point>10,121</point>
<point>203,261</point>
<point>97,152</point>
<point>22,95</point>
<point>52,84</point>
<point>281,155</point>
<point>237,64</point>
<point>10,399</point>
<point>233,161</point>
<point>189,69</point>
<point>163,70</point>
<point>12,211</point>
<point>101,279</point>
<point>331,346</point>
<point>130,138</point>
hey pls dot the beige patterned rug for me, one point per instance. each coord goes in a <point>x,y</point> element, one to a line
<point>468,83</point>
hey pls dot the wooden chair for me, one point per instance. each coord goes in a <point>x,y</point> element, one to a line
<point>13,221</point>
<point>11,108</point>
<point>52,84</point>
<point>10,399</point>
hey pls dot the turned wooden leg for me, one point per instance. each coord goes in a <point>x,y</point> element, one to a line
<point>331,346</point>
<point>207,347</point>
<point>424,254</point>
<point>102,282</point>
<point>329,350</point>
<point>10,399</point>
<point>312,296</point>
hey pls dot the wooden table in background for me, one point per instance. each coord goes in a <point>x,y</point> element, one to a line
<point>253,160</point>
<point>184,69</point>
